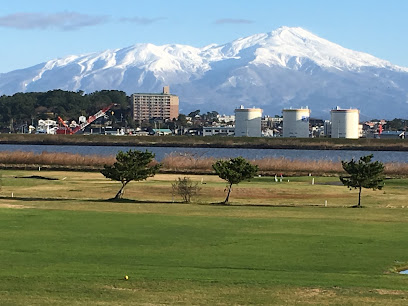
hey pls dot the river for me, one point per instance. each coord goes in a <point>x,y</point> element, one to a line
<point>161,152</point>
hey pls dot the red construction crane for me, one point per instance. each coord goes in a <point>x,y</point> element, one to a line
<point>68,130</point>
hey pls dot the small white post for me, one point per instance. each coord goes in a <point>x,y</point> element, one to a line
<point>39,168</point>
<point>12,194</point>
<point>312,181</point>
<point>325,203</point>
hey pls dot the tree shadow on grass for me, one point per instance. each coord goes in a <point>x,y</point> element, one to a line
<point>38,177</point>
<point>267,205</point>
<point>130,201</point>
<point>124,201</point>
<point>219,204</point>
<point>31,199</point>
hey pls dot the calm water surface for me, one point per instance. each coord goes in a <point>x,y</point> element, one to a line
<point>161,152</point>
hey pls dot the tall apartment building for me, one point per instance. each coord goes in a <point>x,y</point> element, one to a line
<point>147,106</point>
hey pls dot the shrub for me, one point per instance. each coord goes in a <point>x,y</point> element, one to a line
<point>185,188</point>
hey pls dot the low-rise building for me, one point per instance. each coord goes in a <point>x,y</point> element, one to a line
<point>162,132</point>
<point>225,119</point>
<point>47,126</point>
<point>390,135</point>
<point>218,130</point>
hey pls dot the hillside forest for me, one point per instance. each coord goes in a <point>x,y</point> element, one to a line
<point>26,108</point>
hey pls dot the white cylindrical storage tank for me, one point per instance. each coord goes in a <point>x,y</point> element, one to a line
<point>344,123</point>
<point>248,122</point>
<point>296,122</point>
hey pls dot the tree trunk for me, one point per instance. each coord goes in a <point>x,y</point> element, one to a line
<point>228,194</point>
<point>119,195</point>
<point>359,197</point>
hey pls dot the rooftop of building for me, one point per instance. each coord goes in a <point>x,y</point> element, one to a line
<point>152,94</point>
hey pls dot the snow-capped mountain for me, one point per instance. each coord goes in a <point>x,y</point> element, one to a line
<point>289,67</point>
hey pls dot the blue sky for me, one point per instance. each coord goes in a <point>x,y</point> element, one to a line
<point>32,32</point>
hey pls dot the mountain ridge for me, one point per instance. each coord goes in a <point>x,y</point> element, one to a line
<point>288,67</point>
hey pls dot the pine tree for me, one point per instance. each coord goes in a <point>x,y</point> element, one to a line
<point>363,174</point>
<point>234,171</point>
<point>130,166</point>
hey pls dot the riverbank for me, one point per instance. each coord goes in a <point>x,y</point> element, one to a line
<point>362,144</point>
<point>182,164</point>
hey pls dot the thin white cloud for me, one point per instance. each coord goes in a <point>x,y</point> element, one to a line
<point>142,20</point>
<point>233,21</point>
<point>63,21</point>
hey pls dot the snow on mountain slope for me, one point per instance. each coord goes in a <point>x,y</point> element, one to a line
<point>286,43</point>
<point>289,67</point>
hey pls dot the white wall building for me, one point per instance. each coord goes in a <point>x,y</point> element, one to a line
<point>47,126</point>
<point>218,130</point>
<point>345,123</point>
<point>327,128</point>
<point>248,122</point>
<point>225,118</point>
<point>296,122</point>
<point>81,119</point>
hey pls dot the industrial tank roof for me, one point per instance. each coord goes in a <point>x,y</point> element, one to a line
<point>345,110</point>
<point>248,109</point>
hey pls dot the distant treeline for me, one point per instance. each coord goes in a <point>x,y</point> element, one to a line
<point>25,108</point>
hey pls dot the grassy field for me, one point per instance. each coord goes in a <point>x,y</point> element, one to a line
<point>63,242</point>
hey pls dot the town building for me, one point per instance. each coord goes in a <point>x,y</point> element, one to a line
<point>162,132</point>
<point>226,119</point>
<point>327,128</point>
<point>147,106</point>
<point>219,130</point>
<point>268,122</point>
<point>391,135</point>
<point>47,126</point>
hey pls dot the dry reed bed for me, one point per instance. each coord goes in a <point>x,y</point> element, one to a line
<point>189,163</point>
<point>58,159</point>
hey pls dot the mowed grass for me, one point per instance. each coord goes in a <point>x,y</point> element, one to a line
<point>62,242</point>
<point>292,191</point>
